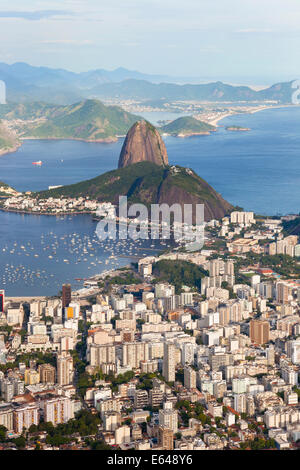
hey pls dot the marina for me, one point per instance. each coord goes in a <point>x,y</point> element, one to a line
<point>44,252</point>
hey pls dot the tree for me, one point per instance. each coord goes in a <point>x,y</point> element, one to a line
<point>33,428</point>
<point>3,431</point>
<point>100,445</point>
<point>20,442</point>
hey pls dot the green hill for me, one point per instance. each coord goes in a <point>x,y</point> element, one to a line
<point>28,110</point>
<point>292,227</point>
<point>6,190</point>
<point>8,140</point>
<point>187,126</point>
<point>148,183</point>
<point>88,120</point>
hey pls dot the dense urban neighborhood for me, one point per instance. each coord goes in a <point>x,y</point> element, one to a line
<point>178,351</point>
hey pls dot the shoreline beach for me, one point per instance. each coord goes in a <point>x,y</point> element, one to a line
<point>214,122</point>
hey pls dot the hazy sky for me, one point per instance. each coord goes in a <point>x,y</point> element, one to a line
<point>238,39</point>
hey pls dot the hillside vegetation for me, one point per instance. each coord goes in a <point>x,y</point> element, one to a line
<point>179,273</point>
<point>8,140</point>
<point>186,126</point>
<point>87,120</point>
<point>148,183</point>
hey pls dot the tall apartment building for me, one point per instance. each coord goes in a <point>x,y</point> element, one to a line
<point>240,404</point>
<point>169,362</point>
<point>168,417</point>
<point>65,369</point>
<point>189,378</point>
<point>266,290</point>
<point>187,353</point>
<point>15,314</point>
<point>285,246</point>
<point>141,398</point>
<point>156,397</point>
<point>218,267</point>
<point>66,295</point>
<point>165,438</point>
<point>47,373</point>
<point>259,331</point>
<point>31,377</point>
<point>134,353</point>
<point>2,300</point>
<point>99,354</point>
<point>6,416</point>
<point>24,416</point>
<point>219,271</point>
<point>241,217</point>
<point>58,410</point>
<point>7,390</point>
<point>283,292</point>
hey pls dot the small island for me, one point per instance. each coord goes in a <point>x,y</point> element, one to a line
<point>187,126</point>
<point>237,128</point>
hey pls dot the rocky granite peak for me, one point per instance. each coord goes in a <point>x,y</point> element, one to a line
<point>143,143</point>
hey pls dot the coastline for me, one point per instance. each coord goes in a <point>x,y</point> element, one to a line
<point>109,140</point>
<point>191,134</point>
<point>22,211</point>
<point>215,122</point>
<point>113,139</point>
<point>11,150</point>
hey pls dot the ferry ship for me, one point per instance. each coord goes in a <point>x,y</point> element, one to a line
<point>39,163</point>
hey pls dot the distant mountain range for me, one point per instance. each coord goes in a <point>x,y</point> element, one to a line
<point>25,82</point>
<point>212,92</point>
<point>28,83</point>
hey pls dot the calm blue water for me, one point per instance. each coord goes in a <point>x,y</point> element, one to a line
<point>258,170</point>
<point>39,253</point>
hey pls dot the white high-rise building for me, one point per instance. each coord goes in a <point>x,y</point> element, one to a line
<point>240,403</point>
<point>101,354</point>
<point>239,217</point>
<point>58,410</point>
<point>65,369</point>
<point>168,417</point>
<point>134,353</point>
<point>169,362</point>
<point>25,416</point>
<point>189,378</point>
<point>187,353</point>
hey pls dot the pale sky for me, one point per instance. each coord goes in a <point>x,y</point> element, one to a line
<point>254,40</point>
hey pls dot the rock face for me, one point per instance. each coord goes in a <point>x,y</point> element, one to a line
<point>143,143</point>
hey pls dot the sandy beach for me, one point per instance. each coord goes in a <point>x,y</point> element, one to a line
<point>214,122</point>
